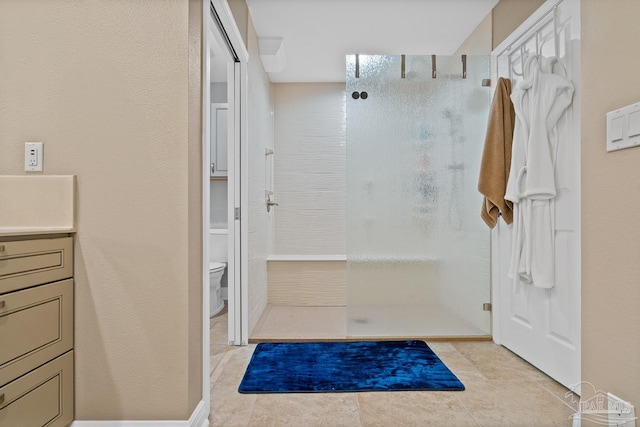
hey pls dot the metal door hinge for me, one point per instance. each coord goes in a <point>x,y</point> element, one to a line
<point>486,306</point>
<point>236,213</point>
<point>486,82</point>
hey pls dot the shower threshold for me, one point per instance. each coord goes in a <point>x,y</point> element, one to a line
<point>329,323</point>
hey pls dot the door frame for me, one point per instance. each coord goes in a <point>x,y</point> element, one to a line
<point>219,25</point>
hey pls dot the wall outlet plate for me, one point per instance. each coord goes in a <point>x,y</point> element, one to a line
<point>33,156</point>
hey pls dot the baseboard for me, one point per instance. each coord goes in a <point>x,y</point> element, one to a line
<point>199,418</point>
<point>200,415</point>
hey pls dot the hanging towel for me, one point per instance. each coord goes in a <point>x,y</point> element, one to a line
<point>496,157</point>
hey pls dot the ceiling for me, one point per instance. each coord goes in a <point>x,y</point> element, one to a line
<point>319,33</point>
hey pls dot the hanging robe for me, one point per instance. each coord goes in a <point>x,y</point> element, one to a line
<point>539,101</point>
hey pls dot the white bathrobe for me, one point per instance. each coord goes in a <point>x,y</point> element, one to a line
<point>539,101</point>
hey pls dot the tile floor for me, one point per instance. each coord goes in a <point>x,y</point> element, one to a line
<point>501,390</point>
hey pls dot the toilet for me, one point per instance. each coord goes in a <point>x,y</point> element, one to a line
<point>217,267</point>
<point>216,303</point>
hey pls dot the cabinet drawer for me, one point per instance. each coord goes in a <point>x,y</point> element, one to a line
<point>27,263</point>
<point>43,397</point>
<point>36,325</point>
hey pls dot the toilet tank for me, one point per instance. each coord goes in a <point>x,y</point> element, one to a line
<point>218,244</point>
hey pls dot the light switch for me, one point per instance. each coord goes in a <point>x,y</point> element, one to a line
<point>33,156</point>
<point>623,128</point>
<point>617,125</point>
<point>634,124</point>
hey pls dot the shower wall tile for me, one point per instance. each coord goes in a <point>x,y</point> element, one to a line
<point>260,137</point>
<point>309,183</point>
<point>317,223</point>
<point>307,283</point>
<point>310,168</point>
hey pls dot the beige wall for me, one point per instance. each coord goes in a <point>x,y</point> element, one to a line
<point>610,202</point>
<point>104,85</point>
<point>507,15</point>
<point>195,232</point>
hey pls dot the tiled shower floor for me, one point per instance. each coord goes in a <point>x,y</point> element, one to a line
<point>289,322</point>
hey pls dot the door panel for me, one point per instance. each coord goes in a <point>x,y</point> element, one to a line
<point>543,325</point>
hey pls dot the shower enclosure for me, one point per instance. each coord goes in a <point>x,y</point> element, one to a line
<point>417,249</point>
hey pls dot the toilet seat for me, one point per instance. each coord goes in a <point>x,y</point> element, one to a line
<point>216,266</point>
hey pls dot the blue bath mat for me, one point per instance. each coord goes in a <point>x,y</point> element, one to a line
<point>321,367</point>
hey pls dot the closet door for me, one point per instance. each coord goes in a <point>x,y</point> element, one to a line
<point>543,325</point>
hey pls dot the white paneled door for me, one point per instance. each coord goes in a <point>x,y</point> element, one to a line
<point>543,325</point>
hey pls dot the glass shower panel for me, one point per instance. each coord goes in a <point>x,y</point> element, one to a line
<point>417,249</point>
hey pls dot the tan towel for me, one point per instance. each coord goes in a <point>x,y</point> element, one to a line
<point>496,157</point>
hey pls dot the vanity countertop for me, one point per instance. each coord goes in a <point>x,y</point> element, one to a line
<point>32,231</point>
<point>37,204</point>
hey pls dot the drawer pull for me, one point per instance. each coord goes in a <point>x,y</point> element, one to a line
<point>1,398</point>
<point>2,304</point>
<point>1,248</point>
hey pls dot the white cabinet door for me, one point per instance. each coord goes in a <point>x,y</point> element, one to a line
<point>219,151</point>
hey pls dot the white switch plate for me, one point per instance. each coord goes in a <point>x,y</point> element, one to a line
<point>33,156</point>
<point>623,128</point>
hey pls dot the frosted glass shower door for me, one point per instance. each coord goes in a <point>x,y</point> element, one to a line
<point>417,250</point>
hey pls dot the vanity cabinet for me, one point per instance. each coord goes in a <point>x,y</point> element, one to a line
<point>36,331</point>
<point>218,166</point>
